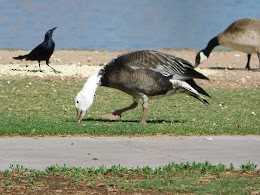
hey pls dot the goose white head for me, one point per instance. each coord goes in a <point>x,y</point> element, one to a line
<point>85,97</point>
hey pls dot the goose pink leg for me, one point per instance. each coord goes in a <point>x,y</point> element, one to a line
<point>117,114</point>
<point>145,108</point>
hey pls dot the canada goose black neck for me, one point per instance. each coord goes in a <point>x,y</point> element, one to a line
<point>212,43</point>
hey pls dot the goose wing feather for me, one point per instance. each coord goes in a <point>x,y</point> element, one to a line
<point>166,64</point>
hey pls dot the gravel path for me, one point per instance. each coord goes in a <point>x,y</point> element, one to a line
<point>66,70</point>
<point>226,69</point>
<point>41,152</point>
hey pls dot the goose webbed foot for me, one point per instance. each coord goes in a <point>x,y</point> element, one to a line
<point>112,116</point>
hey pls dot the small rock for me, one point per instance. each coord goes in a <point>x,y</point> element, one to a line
<point>243,80</point>
<point>208,138</point>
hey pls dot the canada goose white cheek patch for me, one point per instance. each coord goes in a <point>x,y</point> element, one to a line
<point>203,57</point>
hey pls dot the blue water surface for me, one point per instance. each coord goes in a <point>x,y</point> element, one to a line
<point>119,24</point>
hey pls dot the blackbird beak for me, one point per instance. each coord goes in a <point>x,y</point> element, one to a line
<point>53,29</point>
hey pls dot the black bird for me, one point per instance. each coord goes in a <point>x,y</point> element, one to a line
<point>42,51</point>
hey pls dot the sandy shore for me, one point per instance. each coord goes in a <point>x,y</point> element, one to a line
<point>224,68</point>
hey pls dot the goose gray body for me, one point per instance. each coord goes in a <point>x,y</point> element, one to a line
<point>146,74</point>
<point>242,35</point>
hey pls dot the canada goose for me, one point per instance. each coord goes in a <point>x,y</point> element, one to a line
<point>242,35</point>
<point>142,74</point>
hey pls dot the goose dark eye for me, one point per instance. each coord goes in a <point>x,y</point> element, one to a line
<point>77,102</point>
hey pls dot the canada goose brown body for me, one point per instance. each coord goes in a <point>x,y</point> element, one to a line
<point>242,35</point>
<point>146,74</point>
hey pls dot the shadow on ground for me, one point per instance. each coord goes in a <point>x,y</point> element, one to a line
<point>133,121</point>
<point>240,69</point>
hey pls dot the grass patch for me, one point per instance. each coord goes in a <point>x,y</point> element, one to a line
<point>46,107</point>
<point>184,178</point>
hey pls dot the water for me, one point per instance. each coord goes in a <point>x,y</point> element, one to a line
<point>119,24</point>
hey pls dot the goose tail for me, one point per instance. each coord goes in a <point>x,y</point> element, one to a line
<point>191,88</point>
<point>196,74</point>
<point>199,97</point>
<point>193,84</point>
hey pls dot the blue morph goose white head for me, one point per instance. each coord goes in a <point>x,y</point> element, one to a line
<point>85,97</point>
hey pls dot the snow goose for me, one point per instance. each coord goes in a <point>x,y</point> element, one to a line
<point>142,74</point>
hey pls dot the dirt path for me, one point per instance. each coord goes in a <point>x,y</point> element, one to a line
<point>224,68</point>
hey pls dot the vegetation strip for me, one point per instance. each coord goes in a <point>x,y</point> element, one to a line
<point>46,107</point>
<point>198,178</point>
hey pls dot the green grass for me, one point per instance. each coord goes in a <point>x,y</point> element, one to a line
<point>185,178</point>
<point>45,107</point>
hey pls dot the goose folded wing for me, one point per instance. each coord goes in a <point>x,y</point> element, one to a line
<point>166,64</point>
<point>37,51</point>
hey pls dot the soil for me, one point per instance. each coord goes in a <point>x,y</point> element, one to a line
<point>25,182</point>
<point>225,69</point>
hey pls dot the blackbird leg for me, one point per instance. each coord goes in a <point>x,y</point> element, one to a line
<point>40,66</point>
<point>47,62</point>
